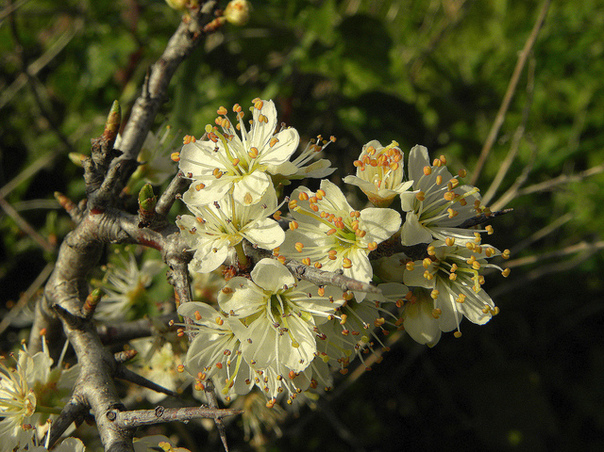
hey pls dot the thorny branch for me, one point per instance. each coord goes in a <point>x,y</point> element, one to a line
<point>60,311</point>
<point>137,418</point>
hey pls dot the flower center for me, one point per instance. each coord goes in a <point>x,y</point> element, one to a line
<point>382,167</point>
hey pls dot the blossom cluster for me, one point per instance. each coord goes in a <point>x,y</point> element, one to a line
<point>30,389</point>
<point>266,328</point>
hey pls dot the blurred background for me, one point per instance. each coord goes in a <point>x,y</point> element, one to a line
<point>433,72</point>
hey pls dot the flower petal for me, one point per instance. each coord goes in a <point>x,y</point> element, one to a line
<point>413,232</point>
<point>271,275</point>
<point>379,223</point>
<point>209,256</point>
<point>263,127</point>
<point>266,233</point>
<point>418,159</point>
<point>250,188</point>
<point>214,190</point>
<point>286,144</point>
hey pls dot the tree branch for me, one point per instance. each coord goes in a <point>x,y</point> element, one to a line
<point>137,418</point>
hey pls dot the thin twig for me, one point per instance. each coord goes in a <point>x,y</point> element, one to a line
<point>585,251</point>
<point>123,373</point>
<point>512,192</point>
<point>166,200</point>
<point>181,44</point>
<point>27,295</point>
<point>509,158</point>
<point>541,233</point>
<point>25,226</point>
<point>123,332</point>
<point>210,392</point>
<point>560,180</point>
<point>11,8</point>
<point>572,249</point>
<point>29,171</point>
<point>40,63</point>
<point>76,410</point>
<point>507,98</point>
<point>160,415</point>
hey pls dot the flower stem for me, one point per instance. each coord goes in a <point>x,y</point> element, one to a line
<point>47,409</point>
<point>241,257</point>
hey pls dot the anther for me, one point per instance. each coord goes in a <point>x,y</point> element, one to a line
<point>253,152</point>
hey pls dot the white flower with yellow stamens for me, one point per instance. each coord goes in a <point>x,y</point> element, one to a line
<point>27,389</point>
<point>329,234</point>
<point>215,352</point>
<point>298,168</point>
<point>226,162</point>
<point>440,206</point>
<point>217,229</point>
<point>155,163</point>
<point>279,314</point>
<point>453,276</point>
<point>159,363</point>
<point>380,173</point>
<point>353,331</point>
<point>125,286</point>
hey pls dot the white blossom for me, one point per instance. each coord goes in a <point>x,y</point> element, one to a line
<point>158,363</point>
<point>125,286</point>
<point>216,229</point>
<point>419,319</point>
<point>329,234</point>
<point>279,315</point>
<point>380,173</point>
<point>298,169</point>
<point>156,166</point>
<point>215,352</point>
<point>228,163</point>
<point>453,276</point>
<point>25,388</point>
<point>440,206</point>
<point>353,331</point>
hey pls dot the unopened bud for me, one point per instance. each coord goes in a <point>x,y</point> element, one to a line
<point>237,12</point>
<point>182,5</point>
<point>146,198</point>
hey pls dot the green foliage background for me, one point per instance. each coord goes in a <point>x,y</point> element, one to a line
<point>432,72</point>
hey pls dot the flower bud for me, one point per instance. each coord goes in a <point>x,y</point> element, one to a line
<point>237,12</point>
